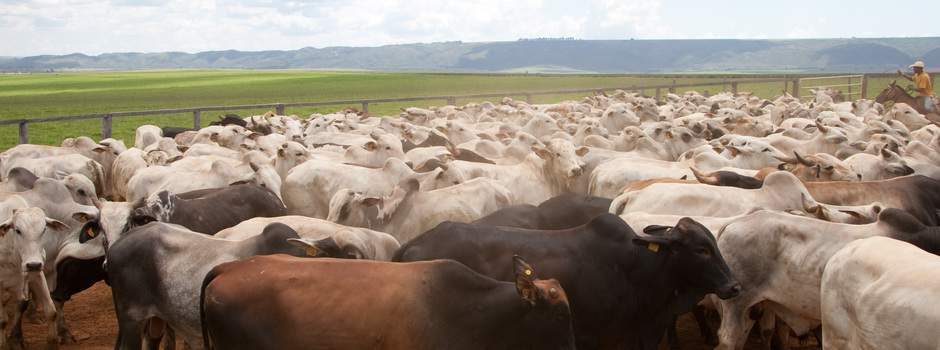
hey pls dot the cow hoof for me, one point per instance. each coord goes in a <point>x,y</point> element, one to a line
<point>711,341</point>
<point>16,342</point>
<point>66,337</point>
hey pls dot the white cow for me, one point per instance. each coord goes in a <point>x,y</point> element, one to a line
<point>880,293</point>
<point>57,166</point>
<point>363,242</point>
<point>546,173</point>
<point>779,258</point>
<point>408,212</point>
<point>781,191</point>
<point>154,179</point>
<point>883,166</point>
<point>55,199</point>
<point>22,256</point>
<point>308,187</point>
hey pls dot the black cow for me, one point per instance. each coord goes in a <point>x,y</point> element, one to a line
<point>206,210</point>
<point>624,288</point>
<point>564,211</point>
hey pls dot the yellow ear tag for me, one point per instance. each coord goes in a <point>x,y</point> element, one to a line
<point>654,247</point>
<point>311,251</point>
<point>83,219</point>
<point>91,232</point>
<point>528,272</point>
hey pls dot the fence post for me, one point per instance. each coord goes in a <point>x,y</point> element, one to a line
<point>672,89</point>
<point>796,89</point>
<point>529,99</point>
<point>197,119</point>
<point>106,126</point>
<point>705,93</point>
<point>279,109</point>
<point>864,86</point>
<point>24,132</point>
<point>365,107</point>
<point>657,95</point>
<point>734,88</point>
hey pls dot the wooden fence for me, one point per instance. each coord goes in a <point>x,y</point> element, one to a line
<point>789,84</point>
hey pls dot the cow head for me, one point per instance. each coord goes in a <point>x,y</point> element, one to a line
<point>25,230</point>
<point>547,300</point>
<point>695,255</point>
<point>113,220</point>
<point>344,244</point>
<point>818,167</point>
<point>562,159</point>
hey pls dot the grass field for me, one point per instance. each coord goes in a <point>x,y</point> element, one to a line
<point>56,95</point>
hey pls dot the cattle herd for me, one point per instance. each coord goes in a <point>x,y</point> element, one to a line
<point>588,224</point>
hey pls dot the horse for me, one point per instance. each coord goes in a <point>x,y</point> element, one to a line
<point>896,94</point>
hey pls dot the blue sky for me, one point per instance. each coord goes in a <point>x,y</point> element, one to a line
<point>56,27</point>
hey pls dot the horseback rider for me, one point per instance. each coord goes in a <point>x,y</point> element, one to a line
<point>923,88</point>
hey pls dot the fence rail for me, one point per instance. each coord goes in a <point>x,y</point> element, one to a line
<point>792,84</point>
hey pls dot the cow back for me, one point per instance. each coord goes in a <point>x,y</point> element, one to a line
<point>279,302</point>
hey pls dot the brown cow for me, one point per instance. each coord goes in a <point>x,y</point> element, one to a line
<point>281,302</point>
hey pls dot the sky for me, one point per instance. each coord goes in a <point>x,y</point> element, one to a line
<point>59,27</point>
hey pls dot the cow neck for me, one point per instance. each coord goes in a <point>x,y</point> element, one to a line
<point>380,222</point>
<point>547,173</point>
<point>928,240</point>
<point>654,271</point>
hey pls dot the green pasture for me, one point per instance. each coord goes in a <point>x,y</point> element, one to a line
<point>67,94</point>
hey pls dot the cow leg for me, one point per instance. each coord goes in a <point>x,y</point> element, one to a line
<point>672,335</point>
<point>32,313</point>
<point>39,286</point>
<point>735,324</point>
<point>65,335</point>
<point>16,334</point>
<point>781,337</point>
<point>708,335</point>
<point>766,326</point>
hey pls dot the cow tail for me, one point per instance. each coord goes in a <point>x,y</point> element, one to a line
<point>203,321</point>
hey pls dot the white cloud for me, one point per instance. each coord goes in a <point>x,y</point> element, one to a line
<point>33,27</point>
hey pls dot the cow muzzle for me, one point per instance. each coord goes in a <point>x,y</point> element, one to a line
<point>729,291</point>
<point>33,267</point>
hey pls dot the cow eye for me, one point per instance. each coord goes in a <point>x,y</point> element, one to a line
<point>18,232</point>
<point>702,251</point>
<point>81,192</point>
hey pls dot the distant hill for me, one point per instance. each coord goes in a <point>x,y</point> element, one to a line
<point>854,55</point>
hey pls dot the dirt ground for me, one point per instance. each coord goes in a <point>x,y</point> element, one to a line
<point>90,314</point>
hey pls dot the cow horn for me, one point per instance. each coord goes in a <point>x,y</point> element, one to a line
<point>803,160</point>
<point>822,128</point>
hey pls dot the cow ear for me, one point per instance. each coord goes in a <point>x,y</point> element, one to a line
<point>139,218</point>
<point>91,230</point>
<point>6,226</point>
<point>525,280</point>
<point>56,225</point>
<point>371,146</point>
<point>84,217</point>
<point>542,152</point>
<point>582,151</point>
<point>315,248</point>
<point>370,201</point>
<point>657,242</point>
